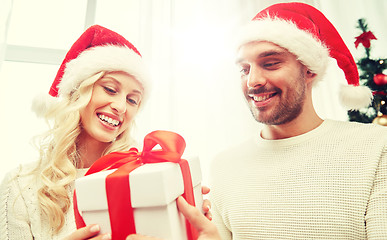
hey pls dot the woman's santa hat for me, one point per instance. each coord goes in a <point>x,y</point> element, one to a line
<point>97,49</point>
<point>307,33</point>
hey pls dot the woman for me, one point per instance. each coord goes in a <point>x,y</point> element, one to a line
<point>99,88</point>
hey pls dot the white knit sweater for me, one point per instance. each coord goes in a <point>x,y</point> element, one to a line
<point>330,183</point>
<point>20,213</point>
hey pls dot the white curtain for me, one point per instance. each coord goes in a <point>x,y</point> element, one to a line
<point>5,12</point>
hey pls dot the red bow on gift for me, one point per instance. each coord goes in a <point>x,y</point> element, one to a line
<point>365,39</point>
<point>121,215</point>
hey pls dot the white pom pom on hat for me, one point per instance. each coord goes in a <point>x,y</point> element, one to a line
<point>97,49</point>
<point>307,33</point>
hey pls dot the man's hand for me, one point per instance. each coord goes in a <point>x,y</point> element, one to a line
<point>206,229</point>
<point>206,207</point>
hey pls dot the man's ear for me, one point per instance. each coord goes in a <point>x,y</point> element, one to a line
<point>310,76</point>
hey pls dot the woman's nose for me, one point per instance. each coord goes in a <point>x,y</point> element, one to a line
<point>119,104</point>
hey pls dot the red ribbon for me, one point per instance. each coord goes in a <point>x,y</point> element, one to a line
<point>365,39</point>
<point>379,93</point>
<point>121,215</point>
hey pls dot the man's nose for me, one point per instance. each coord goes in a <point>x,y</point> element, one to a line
<point>255,78</point>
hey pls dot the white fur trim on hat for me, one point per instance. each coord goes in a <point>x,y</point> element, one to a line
<point>355,97</point>
<point>309,50</point>
<point>42,102</point>
<point>103,58</point>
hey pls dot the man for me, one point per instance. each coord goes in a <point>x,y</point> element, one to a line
<point>301,177</point>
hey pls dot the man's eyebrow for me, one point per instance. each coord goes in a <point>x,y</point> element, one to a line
<point>264,54</point>
<point>270,53</point>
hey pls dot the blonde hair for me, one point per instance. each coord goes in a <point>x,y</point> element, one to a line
<point>59,157</point>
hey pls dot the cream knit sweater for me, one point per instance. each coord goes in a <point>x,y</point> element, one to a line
<point>20,216</point>
<point>330,183</point>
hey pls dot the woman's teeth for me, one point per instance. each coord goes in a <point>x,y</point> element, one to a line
<point>109,120</point>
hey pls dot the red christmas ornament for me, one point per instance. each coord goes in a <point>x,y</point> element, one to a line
<point>365,39</point>
<point>380,79</point>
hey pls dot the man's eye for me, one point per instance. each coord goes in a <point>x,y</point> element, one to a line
<point>271,64</point>
<point>109,90</point>
<point>244,71</point>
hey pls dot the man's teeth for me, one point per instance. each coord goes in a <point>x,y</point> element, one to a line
<point>261,98</point>
<point>108,120</point>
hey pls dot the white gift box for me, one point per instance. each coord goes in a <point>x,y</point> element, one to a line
<point>154,188</point>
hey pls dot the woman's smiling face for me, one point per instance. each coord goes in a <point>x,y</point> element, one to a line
<point>113,105</point>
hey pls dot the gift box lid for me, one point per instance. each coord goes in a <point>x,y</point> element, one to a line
<point>151,185</point>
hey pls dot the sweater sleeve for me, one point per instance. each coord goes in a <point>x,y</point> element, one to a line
<point>14,219</point>
<point>216,199</point>
<point>376,215</point>
<point>225,234</point>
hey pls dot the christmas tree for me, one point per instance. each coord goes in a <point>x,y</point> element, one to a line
<point>372,74</point>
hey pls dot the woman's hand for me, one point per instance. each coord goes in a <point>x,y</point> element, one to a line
<point>89,232</point>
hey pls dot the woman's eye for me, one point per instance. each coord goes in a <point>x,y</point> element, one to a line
<point>132,101</point>
<point>109,90</point>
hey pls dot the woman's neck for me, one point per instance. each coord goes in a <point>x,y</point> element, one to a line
<point>89,151</point>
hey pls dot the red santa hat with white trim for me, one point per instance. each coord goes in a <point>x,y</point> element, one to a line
<point>97,49</point>
<point>307,33</point>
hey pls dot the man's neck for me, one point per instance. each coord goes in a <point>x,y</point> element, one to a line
<point>298,126</point>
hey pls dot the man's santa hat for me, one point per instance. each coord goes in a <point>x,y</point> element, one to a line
<point>307,33</point>
<point>97,49</point>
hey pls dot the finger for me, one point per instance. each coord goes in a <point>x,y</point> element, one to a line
<point>140,237</point>
<point>192,214</point>
<point>106,236</point>
<point>208,216</point>
<point>85,232</point>
<point>205,190</point>
<point>206,206</point>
